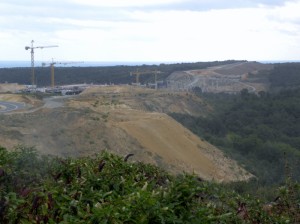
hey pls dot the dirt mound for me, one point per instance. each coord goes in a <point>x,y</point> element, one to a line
<point>138,112</point>
<point>144,99</point>
<point>12,98</point>
<point>10,87</point>
<point>118,119</point>
<point>180,149</point>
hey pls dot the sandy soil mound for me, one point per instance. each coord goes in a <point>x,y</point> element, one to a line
<point>181,149</point>
<point>10,87</point>
<point>172,145</point>
<point>117,119</point>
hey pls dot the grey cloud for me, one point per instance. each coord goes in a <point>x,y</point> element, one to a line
<point>65,8</point>
<point>60,10</point>
<point>36,15</point>
<point>204,5</point>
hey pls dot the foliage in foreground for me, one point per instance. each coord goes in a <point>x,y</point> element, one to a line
<point>110,189</point>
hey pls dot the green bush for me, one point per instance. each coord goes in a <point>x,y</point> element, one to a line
<point>108,189</point>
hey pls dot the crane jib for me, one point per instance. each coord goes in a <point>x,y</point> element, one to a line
<point>46,46</point>
<point>32,57</point>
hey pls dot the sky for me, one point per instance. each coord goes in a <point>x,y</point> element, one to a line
<point>150,30</point>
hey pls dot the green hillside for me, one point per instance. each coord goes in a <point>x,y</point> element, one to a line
<point>286,75</point>
<point>260,131</point>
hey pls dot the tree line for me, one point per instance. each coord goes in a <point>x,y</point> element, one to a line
<point>98,75</point>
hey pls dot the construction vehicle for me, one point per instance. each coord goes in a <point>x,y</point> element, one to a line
<point>32,58</point>
<point>52,68</point>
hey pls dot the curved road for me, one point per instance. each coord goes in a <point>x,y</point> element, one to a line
<point>6,107</point>
<point>51,102</point>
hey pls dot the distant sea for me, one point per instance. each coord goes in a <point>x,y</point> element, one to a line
<point>278,61</point>
<point>22,64</point>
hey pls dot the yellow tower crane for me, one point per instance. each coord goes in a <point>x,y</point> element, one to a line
<point>155,77</point>
<point>52,68</point>
<point>137,74</point>
<point>32,58</point>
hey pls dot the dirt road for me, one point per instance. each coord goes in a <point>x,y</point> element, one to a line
<point>6,107</point>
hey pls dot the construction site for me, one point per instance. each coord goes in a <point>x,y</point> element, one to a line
<point>229,78</point>
<point>81,119</point>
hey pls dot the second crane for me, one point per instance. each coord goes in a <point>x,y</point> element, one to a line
<point>52,68</point>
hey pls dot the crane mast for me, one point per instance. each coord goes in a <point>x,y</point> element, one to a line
<point>32,58</point>
<point>52,68</point>
<point>137,74</point>
<point>52,75</point>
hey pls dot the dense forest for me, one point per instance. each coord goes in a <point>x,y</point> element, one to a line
<point>98,75</point>
<point>111,189</point>
<point>260,131</point>
<point>286,75</point>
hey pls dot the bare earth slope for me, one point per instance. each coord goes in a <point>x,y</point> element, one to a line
<point>230,78</point>
<point>123,120</point>
<point>242,68</point>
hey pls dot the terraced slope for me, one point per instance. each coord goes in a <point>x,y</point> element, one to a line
<point>230,78</point>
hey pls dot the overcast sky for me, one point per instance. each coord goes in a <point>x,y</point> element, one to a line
<point>151,30</point>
